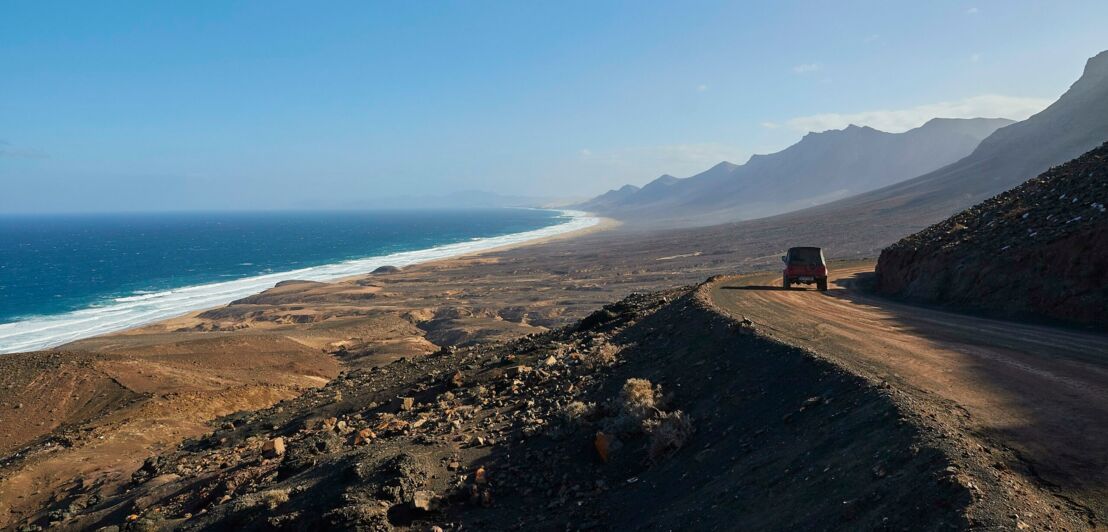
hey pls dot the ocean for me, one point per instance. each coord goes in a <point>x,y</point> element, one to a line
<point>66,277</point>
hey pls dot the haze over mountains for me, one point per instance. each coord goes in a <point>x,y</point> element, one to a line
<point>820,168</point>
<point>1071,126</point>
<point>465,199</point>
<point>858,172</point>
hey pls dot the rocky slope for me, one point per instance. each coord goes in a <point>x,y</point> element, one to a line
<point>821,167</point>
<point>654,412</point>
<point>1038,249</point>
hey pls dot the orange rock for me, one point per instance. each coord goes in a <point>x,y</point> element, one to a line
<point>363,437</point>
<point>274,448</point>
<point>602,443</point>
<point>479,476</point>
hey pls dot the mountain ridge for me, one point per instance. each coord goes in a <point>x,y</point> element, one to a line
<point>1074,124</point>
<point>821,167</point>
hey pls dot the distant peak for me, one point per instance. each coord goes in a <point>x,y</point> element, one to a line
<point>1096,72</point>
<point>1097,62</point>
<point>938,121</point>
<point>724,165</point>
<point>850,130</point>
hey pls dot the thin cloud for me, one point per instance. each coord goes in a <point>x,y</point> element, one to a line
<point>676,159</point>
<point>972,11</point>
<point>899,120</point>
<point>872,38</point>
<point>15,152</point>
<point>975,58</point>
<point>771,125</point>
<point>807,68</point>
<point>701,88</point>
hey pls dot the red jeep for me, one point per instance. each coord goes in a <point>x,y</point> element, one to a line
<point>805,265</point>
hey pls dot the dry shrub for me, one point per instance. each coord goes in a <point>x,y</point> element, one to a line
<point>269,498</point>
<point>605,355</point>
<point>577,411</point>
<point>275,498</point>
<point>668,433</point>
<point>638,398</point>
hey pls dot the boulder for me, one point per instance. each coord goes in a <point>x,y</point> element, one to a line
<point>274,448</point>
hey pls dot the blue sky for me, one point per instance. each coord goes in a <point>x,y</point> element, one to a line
<point>109,106</point>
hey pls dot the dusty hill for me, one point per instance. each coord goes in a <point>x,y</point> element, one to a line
<point>821,167</point>
<point>610,198</point>
<point>655,412</point>
<point>1038,249</point>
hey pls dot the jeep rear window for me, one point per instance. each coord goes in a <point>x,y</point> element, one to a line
<point>805,256</point>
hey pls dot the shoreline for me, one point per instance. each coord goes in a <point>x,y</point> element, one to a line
<point>602,224</point>
<point>189,300</point>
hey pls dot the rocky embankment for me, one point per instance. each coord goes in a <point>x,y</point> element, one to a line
<point>1040,249</point>
<point>654,412</point>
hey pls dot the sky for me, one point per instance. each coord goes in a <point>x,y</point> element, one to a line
<point>150,106</point>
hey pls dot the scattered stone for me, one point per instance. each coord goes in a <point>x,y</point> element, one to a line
<point>604,445</point>
<point>407,403</point>
<point>521,370</point>
<point>424,500</point>
<point>274,448</point>
<point>364,436</point>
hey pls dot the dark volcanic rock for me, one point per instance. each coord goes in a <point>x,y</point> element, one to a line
<point>1038,249</point>
<point>504,436</point>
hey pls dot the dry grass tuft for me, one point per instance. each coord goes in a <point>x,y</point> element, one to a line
<point>269,498</point>
<point>606,355</point>
<point>638,398</point>
<point>577,411</point>
<point>668,433</point>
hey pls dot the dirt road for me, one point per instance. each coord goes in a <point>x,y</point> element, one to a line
<point>1039,392</point>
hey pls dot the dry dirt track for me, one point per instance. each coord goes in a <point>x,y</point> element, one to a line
<point>1039,391</point>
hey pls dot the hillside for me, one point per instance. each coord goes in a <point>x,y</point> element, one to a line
<point>1038,249</point>
<point>1075,124</point>
<point>633,418</point>
<point>863,225</point>
<point>821,167</point>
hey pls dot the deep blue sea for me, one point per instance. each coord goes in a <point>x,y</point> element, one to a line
<point>67,277</point>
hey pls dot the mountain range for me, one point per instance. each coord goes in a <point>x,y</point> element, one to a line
<point>883,167</point>
<point>822,167</point>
